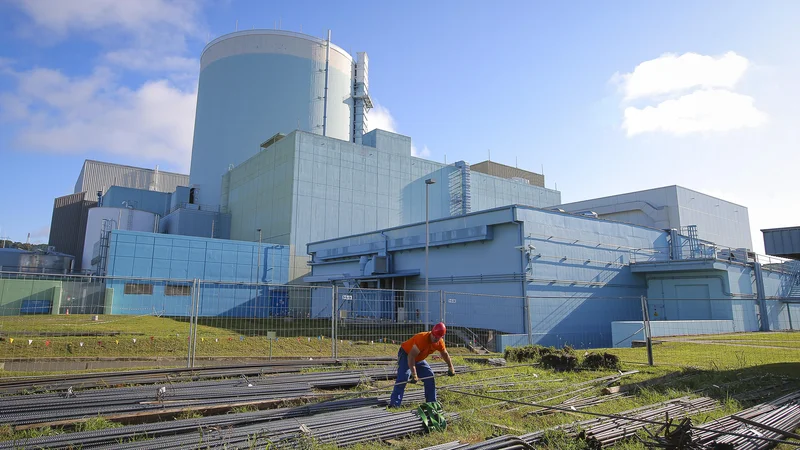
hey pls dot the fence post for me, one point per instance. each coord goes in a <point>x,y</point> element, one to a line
<point>333,321</point>
<point>526,307</point>
<point>191,324</point>
<point>646,327</point>
<point>441,307</point>
<point>196,314</point>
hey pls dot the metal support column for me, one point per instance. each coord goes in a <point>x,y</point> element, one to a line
<point>441,307</point>
<point>334,317</point>
<point>191,324</point>
<point>528,324</point>
<point>761,296</point>
<point>646,327</point>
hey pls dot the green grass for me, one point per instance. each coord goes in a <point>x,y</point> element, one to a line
<point>725,373</point>
<point>78,336</point>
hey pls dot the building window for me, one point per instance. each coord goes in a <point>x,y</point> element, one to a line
<point>139,288</point>
<point>177,289</point>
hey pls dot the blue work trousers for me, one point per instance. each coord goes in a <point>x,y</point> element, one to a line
<point>404,374</point>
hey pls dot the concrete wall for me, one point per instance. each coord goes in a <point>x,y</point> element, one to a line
<point>254,84</point>
<point>258,194</point>
<point>14,292</point>
<point>338,188</point>
<point>219,263</point>
<point>623,333</point>
<point>68,225</point>
<point>193,222</point>
<point>579,278</point>
<point>99,176</point>
<point>144,200</point>
<point>719,221</point>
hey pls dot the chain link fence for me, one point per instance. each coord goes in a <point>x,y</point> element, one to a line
<point>59,323</point>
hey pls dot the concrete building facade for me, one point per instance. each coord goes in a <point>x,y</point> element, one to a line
<point>719,221</point>
<point>556,277</point>
<point>99,176</point>
<point>153,272</point>
<point>70,212</point>
<point>305,188</point>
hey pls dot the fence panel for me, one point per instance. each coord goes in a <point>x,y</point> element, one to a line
<point>376,321</point>
<point>61,323</point>
<point>719,333</point>
<point>585,321</point>
<point>488,321</point>
<point>252,321</point>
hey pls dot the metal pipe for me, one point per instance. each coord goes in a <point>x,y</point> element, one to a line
<point>325,97</point>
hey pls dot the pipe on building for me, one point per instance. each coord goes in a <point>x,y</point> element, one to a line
<point>325,98</point>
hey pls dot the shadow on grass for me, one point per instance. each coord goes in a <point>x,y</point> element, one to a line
<point>748,385</point>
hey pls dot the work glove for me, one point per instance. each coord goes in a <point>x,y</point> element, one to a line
<point>451,372</point>
<point>413,379</point>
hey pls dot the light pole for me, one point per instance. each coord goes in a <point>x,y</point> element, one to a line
<point>428,184</point>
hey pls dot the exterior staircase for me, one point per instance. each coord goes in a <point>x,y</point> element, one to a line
<point>470,340</point>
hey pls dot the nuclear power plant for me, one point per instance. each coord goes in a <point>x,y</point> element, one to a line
<point>290,186</point>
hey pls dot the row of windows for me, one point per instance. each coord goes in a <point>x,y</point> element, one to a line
<point>170,289</point>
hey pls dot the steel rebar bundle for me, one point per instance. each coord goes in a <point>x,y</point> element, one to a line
<point>85,381</point>
<point>602,431</point>
<point>127,402</point>
<point>776,419</point>
<point>284,425</point>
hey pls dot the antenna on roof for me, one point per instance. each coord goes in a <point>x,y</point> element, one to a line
<point>490,154</point>
<point>516,162</point>
<point>237,24</point>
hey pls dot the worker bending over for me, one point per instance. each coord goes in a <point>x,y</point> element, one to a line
<point>411,364</point>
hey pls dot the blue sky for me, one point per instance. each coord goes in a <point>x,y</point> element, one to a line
<point>575,87</point>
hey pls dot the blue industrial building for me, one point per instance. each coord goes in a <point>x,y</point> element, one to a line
<point>303,188</point>
<point>573,275</point>
<point>177,211</point>
<point>154,273</point>
<point>323,184</point>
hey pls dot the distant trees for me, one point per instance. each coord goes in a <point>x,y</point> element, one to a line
<point>5,243</point>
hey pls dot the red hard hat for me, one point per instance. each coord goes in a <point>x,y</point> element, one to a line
<point>439,330</point>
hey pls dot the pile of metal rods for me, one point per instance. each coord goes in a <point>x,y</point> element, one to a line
<point>603,431</point>
<point>578,402</point>
<point>504,442</point>
<point>353,420</point>
<point>615,430</point>
<point>775,420</point>
<point>85,381</point>
<point>139,402</point>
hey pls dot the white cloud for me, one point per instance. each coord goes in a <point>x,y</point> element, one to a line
<point>703,110</point>
<point>425,153</point>
<point>144,35</point>
<point>62,16</point>
<point>60,114</point>
<point>670,73</point>
<point>146,60</point>
<point>381,118</point>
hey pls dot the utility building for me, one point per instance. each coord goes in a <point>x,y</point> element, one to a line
<point>674,207</point>
<point>305,187</point>
<point>551,278</point>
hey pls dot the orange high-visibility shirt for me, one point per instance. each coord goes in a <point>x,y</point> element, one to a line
<point>424,345</point>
